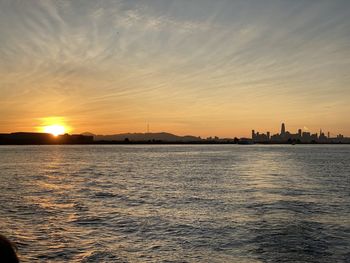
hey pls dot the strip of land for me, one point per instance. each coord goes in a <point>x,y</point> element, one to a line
<point>30,138</point>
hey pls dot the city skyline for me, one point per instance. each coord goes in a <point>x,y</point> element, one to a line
<point>188,67</point>
<point>301,135</point>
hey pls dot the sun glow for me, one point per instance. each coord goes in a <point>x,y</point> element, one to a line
<point>55,129</point>
<point>56,125</point>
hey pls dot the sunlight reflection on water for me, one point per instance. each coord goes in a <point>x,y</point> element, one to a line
<point>217,203</point>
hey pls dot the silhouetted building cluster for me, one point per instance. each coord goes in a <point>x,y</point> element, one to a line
<point>22,138</point>
<point>299,137</point>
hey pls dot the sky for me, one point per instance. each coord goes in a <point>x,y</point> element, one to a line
<point>198,67</point>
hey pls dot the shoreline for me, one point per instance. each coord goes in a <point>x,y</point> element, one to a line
<point>177,143</point>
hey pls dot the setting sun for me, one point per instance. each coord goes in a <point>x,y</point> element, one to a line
<point>55,125</point>
<point>55,129</point>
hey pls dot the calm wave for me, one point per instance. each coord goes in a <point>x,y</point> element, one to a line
<point>217,203</point>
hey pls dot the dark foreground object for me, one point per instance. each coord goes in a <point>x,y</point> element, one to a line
<point>7,251</point>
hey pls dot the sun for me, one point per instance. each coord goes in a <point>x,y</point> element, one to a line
<point>55,129</point>
<point>54,125</point>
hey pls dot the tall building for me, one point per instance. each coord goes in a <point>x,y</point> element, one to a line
<point>299,133</point>
<point>283,129</point>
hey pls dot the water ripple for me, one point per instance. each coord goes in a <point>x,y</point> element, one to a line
<point>217,203</point>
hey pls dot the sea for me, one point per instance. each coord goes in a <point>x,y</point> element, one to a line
<point>177,203</point>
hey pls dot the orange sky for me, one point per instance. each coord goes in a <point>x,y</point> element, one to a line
<point>204,67</point>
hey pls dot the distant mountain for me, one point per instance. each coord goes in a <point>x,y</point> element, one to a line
<point>88,134</point>
<point>160,136</point>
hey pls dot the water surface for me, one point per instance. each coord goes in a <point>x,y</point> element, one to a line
<point>168,203</point>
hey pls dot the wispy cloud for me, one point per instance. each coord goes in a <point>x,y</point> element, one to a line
<point>175,60</point>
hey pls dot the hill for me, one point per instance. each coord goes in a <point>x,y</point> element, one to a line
<point>140,137</point>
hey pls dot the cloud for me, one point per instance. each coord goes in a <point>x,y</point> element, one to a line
<point>136,19</point>
<point>214,59</point>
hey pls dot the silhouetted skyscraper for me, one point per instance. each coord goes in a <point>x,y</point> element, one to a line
<point>283,129</point>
